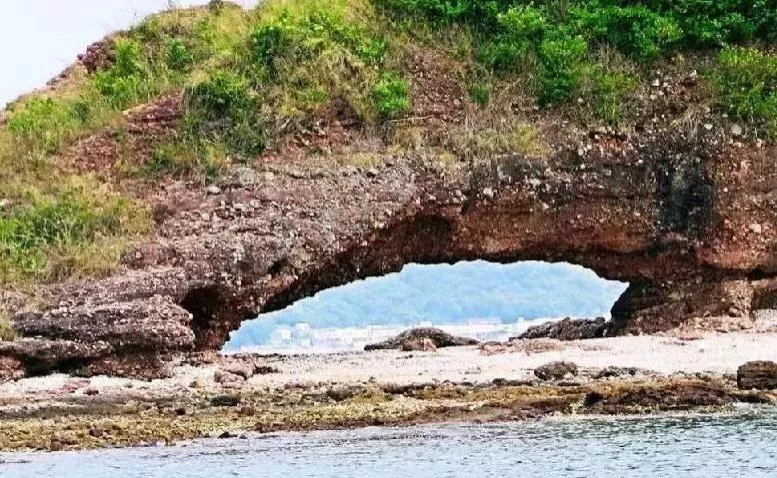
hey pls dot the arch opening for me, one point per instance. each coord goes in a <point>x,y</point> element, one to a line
<point>478,299</point>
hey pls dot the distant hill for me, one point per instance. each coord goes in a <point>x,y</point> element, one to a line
<point>446,294</point>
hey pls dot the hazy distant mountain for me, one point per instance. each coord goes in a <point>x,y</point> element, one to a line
<point>446,294</point>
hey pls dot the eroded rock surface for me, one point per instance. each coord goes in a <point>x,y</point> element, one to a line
<point>100,337</point>
<point>761,375</point>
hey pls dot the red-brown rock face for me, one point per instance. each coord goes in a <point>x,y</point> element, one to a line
<point>689,222</point>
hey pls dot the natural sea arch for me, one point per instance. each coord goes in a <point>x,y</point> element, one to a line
<point>690,228</point>
<point>668,283</point>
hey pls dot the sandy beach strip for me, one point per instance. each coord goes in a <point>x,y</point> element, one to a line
<point>716,353</point>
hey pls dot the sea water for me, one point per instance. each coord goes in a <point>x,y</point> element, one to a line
<point>742,444</point>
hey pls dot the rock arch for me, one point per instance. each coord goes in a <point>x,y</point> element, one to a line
<point>691,226</point>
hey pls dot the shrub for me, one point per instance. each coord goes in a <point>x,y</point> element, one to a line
<point>124,82</point>
<point>267,43</point>
<point>746,81</point>
<point>43,123</point>
<point>45,225</point>
<point>302,59</point>
<point>519,30</point>
<point>216,6</point>
<point>634,30</point>
<point>610,90</point>
<point>224,95</point>
<point>391,96</point>
<point>480,94</point>
<point>434,10</point>
<point>510,35</point>
<point>307,36</point>
<point>329,26</point>
<point>561,68</point>
<point>705,23</point>
<point>177,55</point>
<point>222,109</point>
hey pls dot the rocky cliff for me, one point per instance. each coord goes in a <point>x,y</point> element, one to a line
<point>691,228</point>
<point>680,204</point>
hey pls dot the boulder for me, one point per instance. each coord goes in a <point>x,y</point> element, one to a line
<point>556,370</point>
<point>48,353</point>
<point>130,338</point>
<point>761,375</point>
<point>413,339</point>
<point>569,329</point>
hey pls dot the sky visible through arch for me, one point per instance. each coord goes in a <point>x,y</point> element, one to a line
<point>470,296</point>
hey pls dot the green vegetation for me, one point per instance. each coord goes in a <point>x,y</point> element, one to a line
<point>494,142</point>
<point>127,80</point>
<point>391,96</point>
<point>178,56</point>
<point>480,94</point>
<point>610,91</point>
<point>288,63</point>
<point>248,78</point>
<point>561,69</point>
<point>746,80</point>
<point>557,40</point>
<point>7,332</point>
<point>222,109</point>
<point>45,228</point>
<point>44,124</point>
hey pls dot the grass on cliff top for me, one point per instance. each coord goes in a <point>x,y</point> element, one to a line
<point>7,332</point>
<point>248,78</point>
<point>76,230</point>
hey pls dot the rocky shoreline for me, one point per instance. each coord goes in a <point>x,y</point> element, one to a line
<point>227,396</point>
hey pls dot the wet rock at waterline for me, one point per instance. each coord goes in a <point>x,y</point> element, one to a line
<point>422,339</point>
<point>760,375</point>
<point>569,329</point>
